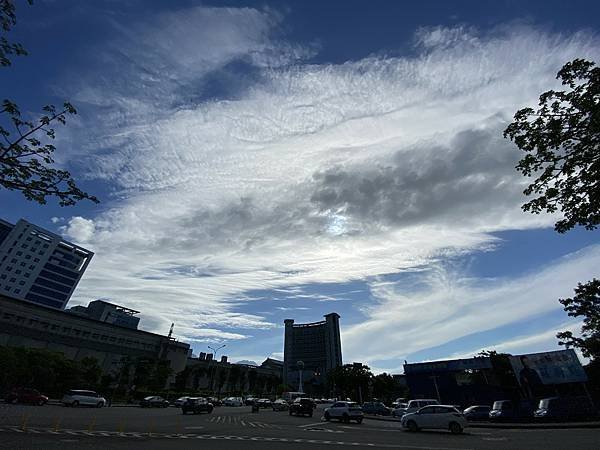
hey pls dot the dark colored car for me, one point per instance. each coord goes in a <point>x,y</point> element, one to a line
<point>302,407</point>
<point>197,405</point>
<point>215,401</point>
<point>154,402</point>
<point>507,411</point>
<point>377,408</point>
<point>264,403</point>
<point>26,395</point>
<point>556,409</point>
<point>477,413</point>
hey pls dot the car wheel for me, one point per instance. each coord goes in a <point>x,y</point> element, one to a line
<point>210,410</point>
<point>359,420</point>
<point>327,417</point>
<point>99,405</point>
<point>75,404</point>
<point>290,412</point>
<point>412,426</point>
<point>455,428</point>
<point>40,402</point>
<point>345,418</point>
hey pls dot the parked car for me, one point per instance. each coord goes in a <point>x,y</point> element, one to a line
<point>197,405</point>
<point>233,401</point>
<point>180,401</point>
<point>250,401</point>
<point>154,401</point>
<point>26,395</point>
<point>344,411</point>
<point>445,417</point>
<point>264,403</point>
<point>507,410</point>
<point>215,401</point>
<point>396,403</point>
<point>79,397</point>
<point>414,406</point>
<point>377,408</point>
<point>565,409</point>
<point>477,413</point>
<point>400,410</point>
<point>280,405</point>
<point>302,406</point>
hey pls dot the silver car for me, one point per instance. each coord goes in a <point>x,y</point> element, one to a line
<point>83,398</point>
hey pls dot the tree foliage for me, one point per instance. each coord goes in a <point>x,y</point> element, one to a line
<point>350,380</point>
<point>562,142</point>
<point>585,303</point>
<point>8,19</point>
<point>26,151</point>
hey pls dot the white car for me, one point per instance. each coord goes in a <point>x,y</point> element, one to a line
<point>436,416</point>
<point>233,401</point>
<point>81,397</point>
<point>414,406</point>
<point>344,411</point>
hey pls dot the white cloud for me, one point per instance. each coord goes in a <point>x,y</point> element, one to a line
<point>79,229</point>
<point>219,197</point>
<point>450,307</point>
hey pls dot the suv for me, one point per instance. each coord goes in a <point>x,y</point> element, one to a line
<point>414,405</point>
<point>376,408</point>
<point>302,406</point>
<point>564,409</point>
<point>344,411</point>
<point>506,410</point>
<point>196,405</point>
<point>446,417</point>
<point>26,395</point>
<point>80,397</point>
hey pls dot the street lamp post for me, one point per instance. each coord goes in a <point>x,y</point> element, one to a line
<point>300,365</point>
<point>212,377</point>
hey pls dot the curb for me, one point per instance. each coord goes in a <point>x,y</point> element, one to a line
<point>524,426</point>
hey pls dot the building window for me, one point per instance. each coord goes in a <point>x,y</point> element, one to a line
<point>14,260</point>
<point>17,291</point>
<point>36,259</point>
<point>19,253</point>
<point>9,268</point>
<point>26,275</point>
<point>37,242</point>
<point>7,288</point>
<point>31,267</point>
<point>40,253</point>
<point>45,245</point>
<point>21,283</point>
<point>23,245</point>
<point>27,256</point>
<point>18,271</point>
<point>28,238</point>
<point>22,264</point>
<point>3,276</point>
<point>12,280</point>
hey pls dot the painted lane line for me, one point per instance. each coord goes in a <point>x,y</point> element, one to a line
<point>310,425</point>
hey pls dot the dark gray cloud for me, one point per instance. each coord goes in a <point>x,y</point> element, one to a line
<point>472,175</point>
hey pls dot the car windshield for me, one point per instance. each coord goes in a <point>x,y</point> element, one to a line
<point>353,405</point>
<point>545,403</point>
<point>501,405</point>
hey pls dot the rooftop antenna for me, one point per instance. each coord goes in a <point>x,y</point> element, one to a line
<point>171,330</point>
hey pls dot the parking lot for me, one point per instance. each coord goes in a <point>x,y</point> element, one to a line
<point>54,426</point>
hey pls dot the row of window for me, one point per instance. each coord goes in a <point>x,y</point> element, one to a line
<point>76,332</point>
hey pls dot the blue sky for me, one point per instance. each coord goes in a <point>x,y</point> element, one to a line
<point>258,161</point>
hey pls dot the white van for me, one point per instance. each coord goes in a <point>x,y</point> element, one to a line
<point>414,405</point>
<point>80,397</point>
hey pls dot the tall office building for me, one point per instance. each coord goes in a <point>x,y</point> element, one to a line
<point>316,344</point>
<point>39,266</point>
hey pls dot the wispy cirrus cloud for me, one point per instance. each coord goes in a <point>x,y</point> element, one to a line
<point>307,173</point>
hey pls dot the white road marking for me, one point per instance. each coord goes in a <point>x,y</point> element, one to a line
<point>310,425</point>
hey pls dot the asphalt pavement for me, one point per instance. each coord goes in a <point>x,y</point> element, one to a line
<point>58,427</point>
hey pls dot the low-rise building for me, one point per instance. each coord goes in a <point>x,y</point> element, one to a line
<point>108,312</point>
<point>24,324</point>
